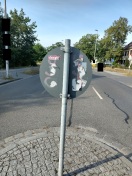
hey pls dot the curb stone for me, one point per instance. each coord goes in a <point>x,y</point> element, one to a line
<point>5,82</point>
<point>106,140</point>
<point>89,132</point>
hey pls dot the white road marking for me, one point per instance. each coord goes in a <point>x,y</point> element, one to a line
<point>129,85</point>
<point>97,93</point>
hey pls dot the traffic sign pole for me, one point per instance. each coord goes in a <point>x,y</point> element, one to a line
<point>68,74</point>
<point>64,105</point>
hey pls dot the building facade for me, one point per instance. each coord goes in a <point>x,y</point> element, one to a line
<point>127,51</point>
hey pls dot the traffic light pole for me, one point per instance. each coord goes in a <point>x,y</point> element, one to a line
<point>7,69</point>
<point>7,63</point>
<point>6,47</point>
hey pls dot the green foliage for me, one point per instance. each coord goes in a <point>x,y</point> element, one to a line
<point>117,33</point>
<point>57,44</point>
<point>117,65</point>
<point>22,39</point>
<point>111,45</point>
<point>101,52</point>
<point>127,63</point>
<point>39,52</point>
<point>114,39</point>
<point>87,45</point>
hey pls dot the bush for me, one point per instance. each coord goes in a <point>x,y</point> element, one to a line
<point>127,63</point>
<point>115,65</point>
<point>120,66</point>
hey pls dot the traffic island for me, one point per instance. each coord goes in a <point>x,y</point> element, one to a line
<point>36,152</point>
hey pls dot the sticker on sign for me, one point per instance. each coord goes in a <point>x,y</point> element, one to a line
<point>53,57</point>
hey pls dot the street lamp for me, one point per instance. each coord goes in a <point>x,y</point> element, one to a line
<point>95,44</point>
<point>5,14</point>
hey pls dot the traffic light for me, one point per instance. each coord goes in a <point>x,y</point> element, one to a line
<point>6,38</point>
<point>5,24</point>
<point>6,54</point>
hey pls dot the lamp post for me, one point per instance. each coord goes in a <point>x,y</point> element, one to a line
<point>95,44</point>
<point>5,14</point>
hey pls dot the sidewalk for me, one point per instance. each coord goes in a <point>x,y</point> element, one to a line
<point>14,74</point>
<point>120,77</point>
<point>36,153</point>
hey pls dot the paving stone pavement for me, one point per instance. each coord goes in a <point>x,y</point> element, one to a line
<point>36,153</point>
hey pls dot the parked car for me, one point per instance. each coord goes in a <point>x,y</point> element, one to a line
<point>107,63</point>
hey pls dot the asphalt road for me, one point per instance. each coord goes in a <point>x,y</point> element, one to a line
<point>105,106</point>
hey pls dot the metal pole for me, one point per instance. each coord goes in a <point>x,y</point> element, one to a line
<point>5,10</point>
<point>64,105</point>
<point>6,47</point>
<point>95,45</point>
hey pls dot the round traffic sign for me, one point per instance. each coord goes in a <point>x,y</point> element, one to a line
<point>51,72</point>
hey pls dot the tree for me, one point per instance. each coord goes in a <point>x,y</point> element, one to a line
<point>22,38</point>
<point>115,37</point>
<point>57,44</point>
<point>39,52</point>
<point>87,45</point>
<point>101,51</point>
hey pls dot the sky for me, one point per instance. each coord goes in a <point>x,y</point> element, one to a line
<point>58,20</point>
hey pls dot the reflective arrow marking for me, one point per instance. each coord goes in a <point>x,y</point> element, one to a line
<point>97,93</point>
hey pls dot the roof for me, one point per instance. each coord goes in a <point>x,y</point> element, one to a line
<point>128,46</point>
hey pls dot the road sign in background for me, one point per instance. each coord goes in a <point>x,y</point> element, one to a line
<point>51,72</point>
